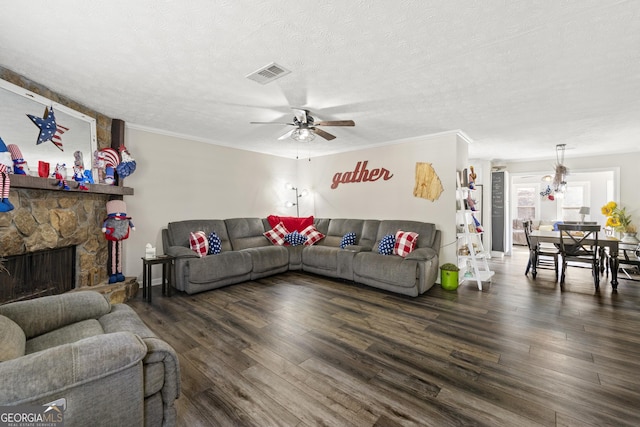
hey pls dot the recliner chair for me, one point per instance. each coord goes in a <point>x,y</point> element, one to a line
<point>101,358</point>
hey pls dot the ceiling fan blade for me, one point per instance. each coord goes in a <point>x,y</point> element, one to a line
<point>336,123</point>
<point>272,123</point>
<point>286,135</point>
<point>325,135</point>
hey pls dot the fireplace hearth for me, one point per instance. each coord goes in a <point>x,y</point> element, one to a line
<point>35,274</point>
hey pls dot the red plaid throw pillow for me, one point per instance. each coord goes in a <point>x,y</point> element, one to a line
<point>312,235</point>
<point>198,242</point>
<point>276,234</point>
<point>405,242</point>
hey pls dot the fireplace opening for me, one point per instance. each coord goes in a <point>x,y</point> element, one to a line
<point>36,274</point>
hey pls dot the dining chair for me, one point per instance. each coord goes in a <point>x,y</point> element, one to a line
<point>629,261</point>
<point>604,256</point>
<point>579,246</point>
<point>546,257</point>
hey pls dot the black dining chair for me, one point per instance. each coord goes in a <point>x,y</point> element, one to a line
<point>546,257</point>
<point>629,261</point>
<point>579,246</point>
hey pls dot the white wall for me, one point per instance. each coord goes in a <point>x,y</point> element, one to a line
<point>179,179</point>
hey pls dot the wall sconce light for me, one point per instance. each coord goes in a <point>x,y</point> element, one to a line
<point>303,193</point>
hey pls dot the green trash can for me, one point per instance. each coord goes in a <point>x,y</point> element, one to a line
<point>449,276</point>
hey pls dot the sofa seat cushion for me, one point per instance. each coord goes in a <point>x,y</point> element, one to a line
<point>65,335</point>
<point>267,258</point>
<point>323,257</point>
<point>391,269</point>
<point>224,265</point>
<point>12,339</point>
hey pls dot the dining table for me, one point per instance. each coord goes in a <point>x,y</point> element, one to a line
<point>609,242</point>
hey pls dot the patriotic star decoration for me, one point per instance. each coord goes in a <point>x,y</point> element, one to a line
<point>49,129</point>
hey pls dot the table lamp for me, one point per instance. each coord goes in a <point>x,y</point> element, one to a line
<point>584,210</point>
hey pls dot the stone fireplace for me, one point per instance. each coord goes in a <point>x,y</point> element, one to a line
<point>46,217</point>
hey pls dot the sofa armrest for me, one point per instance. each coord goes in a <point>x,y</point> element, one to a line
<point>124,318</point>
<point>61,368</point>
<point>422,254</point>
<point>159,351</point>
<point>180,252</point>
<point>41,315</point>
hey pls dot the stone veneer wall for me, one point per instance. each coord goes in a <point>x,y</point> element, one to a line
<point>44,219</point>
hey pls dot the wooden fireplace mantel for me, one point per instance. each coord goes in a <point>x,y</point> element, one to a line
<point>37,183</point>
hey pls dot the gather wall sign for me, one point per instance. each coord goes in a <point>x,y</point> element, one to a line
<point>360,174</point>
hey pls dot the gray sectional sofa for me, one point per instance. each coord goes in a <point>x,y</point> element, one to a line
<point>247,254</point>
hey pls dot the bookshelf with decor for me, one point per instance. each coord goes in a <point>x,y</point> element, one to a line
<point>471,254</point>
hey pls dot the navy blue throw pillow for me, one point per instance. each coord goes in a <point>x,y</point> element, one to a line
<point>348,239</point>
<point>215,244</point>
<point>295,239</point>
<point>385,247</point>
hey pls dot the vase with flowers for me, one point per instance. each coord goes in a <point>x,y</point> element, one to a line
<point>620,220</point>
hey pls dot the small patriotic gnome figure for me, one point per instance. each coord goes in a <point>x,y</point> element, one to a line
<point>78,171</point>
<point>116,229</point>
<point>6,163</point>
<point>19,165</point>
<point>61,175</point>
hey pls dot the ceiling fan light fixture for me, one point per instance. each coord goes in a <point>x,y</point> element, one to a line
<point>303,135</point>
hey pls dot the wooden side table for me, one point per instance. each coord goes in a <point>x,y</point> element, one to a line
<point>167,275</point>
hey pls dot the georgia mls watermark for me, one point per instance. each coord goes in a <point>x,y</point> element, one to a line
<point>48,415</point>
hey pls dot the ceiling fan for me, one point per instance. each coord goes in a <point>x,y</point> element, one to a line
<point>306,127</point>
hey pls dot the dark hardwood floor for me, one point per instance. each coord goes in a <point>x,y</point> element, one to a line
<point>303,350</point>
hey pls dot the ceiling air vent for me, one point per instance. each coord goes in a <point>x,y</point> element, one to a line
<point>268,73</point>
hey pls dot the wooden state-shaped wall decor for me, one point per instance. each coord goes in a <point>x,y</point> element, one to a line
<point>428,184</point>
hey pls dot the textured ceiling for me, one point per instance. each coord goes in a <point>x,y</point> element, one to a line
<point>518,77</point>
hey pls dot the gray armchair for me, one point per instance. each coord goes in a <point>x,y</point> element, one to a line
<point>108,366</point>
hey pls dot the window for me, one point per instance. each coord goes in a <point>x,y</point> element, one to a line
<point>575,196</point>
<point>526,201</point>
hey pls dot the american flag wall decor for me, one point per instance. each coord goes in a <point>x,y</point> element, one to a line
<point>49,129</point>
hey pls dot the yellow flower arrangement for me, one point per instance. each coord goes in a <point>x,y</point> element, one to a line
<point>618,218</point>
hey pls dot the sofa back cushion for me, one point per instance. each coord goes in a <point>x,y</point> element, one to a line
<point>338,227</point>
<point>426,230</point>
<point>369,233</point>
<point>12,340</point>
<point>41,315</point>
<point>178,232</point>
<point>246,233</point>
